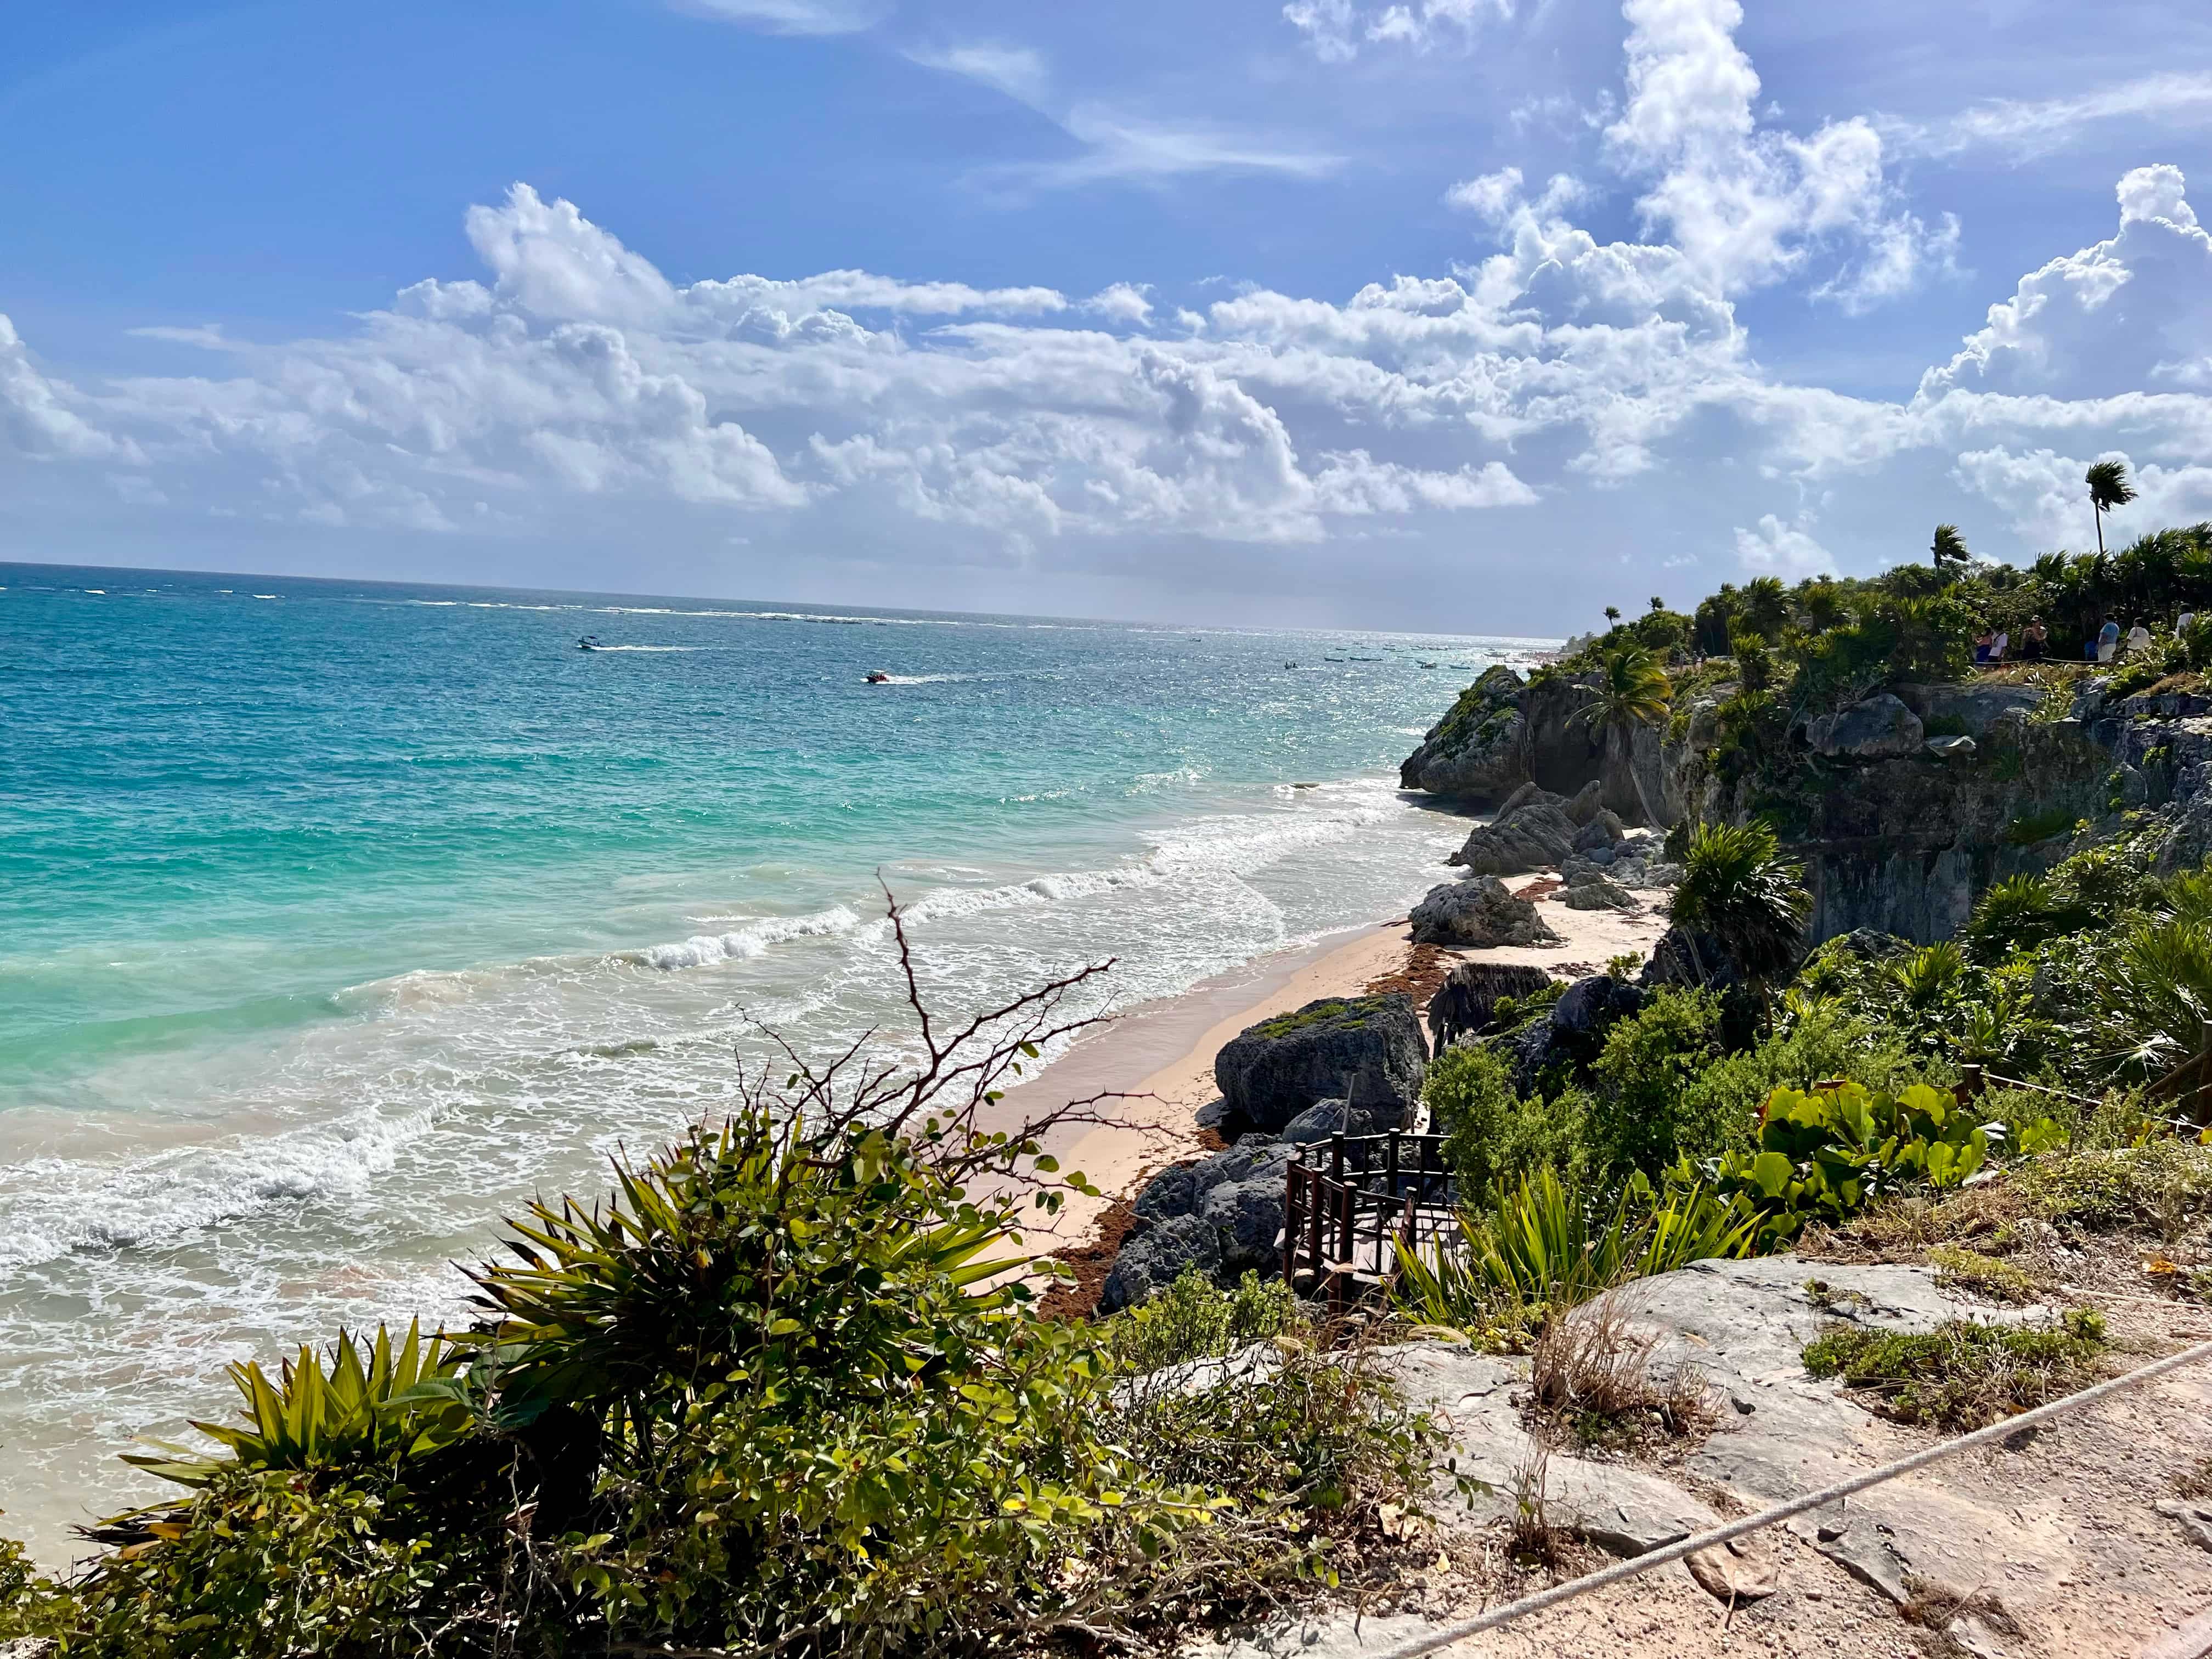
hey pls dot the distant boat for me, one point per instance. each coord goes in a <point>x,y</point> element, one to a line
<point>590,643</point>
<point>877,676</point>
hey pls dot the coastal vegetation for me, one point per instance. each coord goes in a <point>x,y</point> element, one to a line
<point>782,1392</point>
<point>789,1388</point>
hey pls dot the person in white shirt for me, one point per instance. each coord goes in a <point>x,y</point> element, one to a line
<point>1997,646</point>
<point>2138,639</point>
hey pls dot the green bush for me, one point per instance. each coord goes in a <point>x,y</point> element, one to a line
<point>1491,1132</point>
<point>1826,1154</point>
<point>1193,1320</point>
<point>779,1393</point>
<point>1643,1113</point>
<point>1963,1373</point>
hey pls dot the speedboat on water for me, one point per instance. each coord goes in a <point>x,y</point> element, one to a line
<point>877,676</point>
<point>590,643</point>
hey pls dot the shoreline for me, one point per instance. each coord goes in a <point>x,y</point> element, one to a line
<point>1159,1055</point>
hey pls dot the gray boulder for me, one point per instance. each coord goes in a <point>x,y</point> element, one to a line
<point>1675,962</point>
<point>1597,894</point>
<point>1588,1005</point>
<point>1463,1003</point>
<point>1368,1049</point>
<point>1247,1217</point>
<point>1951,748</point>
<point>1338,1117</point>
<point>1155,1258</point>
<point>1587,803</point>
<point>1605,829</point>
<point>1531,793</point>
<point>1533,836</point>
<point>1476,913</point>
<point>1879,728</point>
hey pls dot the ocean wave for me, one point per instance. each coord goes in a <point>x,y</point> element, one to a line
<point>650,647</point>
<point>752,939</point>
<point>59,1205</point>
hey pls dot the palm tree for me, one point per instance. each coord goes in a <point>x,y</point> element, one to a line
<point>1613,615</point>
<point>2108,488</point>
<point>1633,692</point>
<point>1658,604</point>
<point>1949,544</point>
<point>1737,887</point>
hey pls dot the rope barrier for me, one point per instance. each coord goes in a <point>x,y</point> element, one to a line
<point>1639,1564</point>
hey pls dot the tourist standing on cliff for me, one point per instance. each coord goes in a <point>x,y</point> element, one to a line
<point>2108,639</point>
<point>2034,641</point>
<point>2138,640</point>
<point>1983,646</point>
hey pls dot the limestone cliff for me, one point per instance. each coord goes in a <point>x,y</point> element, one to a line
<point>1904,806</point>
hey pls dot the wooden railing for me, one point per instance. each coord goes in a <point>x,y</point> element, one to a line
<point>1352,1200</point>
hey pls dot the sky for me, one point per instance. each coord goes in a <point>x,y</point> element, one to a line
<point>1475,315</point>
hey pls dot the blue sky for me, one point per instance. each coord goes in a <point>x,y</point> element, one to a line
<point>1471,312</point>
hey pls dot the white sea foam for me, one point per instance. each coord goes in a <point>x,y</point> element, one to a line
<point>752,939</point>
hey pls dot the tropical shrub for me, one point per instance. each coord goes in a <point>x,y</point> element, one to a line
<point>1492,1132</point>
<point>1827,1153</point>
<point>1539,1246</point>
<point>779,1392</point>
<point>1737,887</point>
<point>1642,1111</point>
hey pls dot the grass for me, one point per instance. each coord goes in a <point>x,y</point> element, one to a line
<point>1986,1276</point>
<point>1961,1375</point>
<point>2161,1184</point>
<point>1592,1374</point>
<point>1335,1008</point>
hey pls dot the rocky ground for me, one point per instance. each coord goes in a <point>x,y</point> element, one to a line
<point>2083,1540</point>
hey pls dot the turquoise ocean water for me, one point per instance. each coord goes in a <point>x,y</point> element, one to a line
<point>336,917</point>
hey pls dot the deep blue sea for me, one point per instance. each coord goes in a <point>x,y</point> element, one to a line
<point>336,917</point>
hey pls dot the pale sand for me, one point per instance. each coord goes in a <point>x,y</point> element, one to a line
<point>1163,1052</point>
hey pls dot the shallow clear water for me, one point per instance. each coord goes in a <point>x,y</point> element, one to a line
<point>336,917</point>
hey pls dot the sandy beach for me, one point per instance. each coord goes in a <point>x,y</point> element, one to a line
<point>1161,1054</point>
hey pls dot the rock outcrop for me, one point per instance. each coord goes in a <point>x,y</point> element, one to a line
<point>1222,1217</point>
<point>1879,727</point>
<point>1573,1030</point>
<point>1504,731</point>
<point>1532,836</point>
<point>1475,913</point>
<point>1369,1050</point>
<point>1463,1003</point>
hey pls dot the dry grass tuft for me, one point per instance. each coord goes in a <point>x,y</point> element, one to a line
<point>1594,1375</point>
<point>1533,1538</point>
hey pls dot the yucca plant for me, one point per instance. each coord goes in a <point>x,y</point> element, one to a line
<point>1737,888</point>
<point>387,1407</point>
<point>1538,1249</point>
<point>1926,976</point>
<point>749,1251</point>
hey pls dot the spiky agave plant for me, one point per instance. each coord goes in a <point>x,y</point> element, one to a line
<point>385,1406</point>
<point>1738,888</point>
